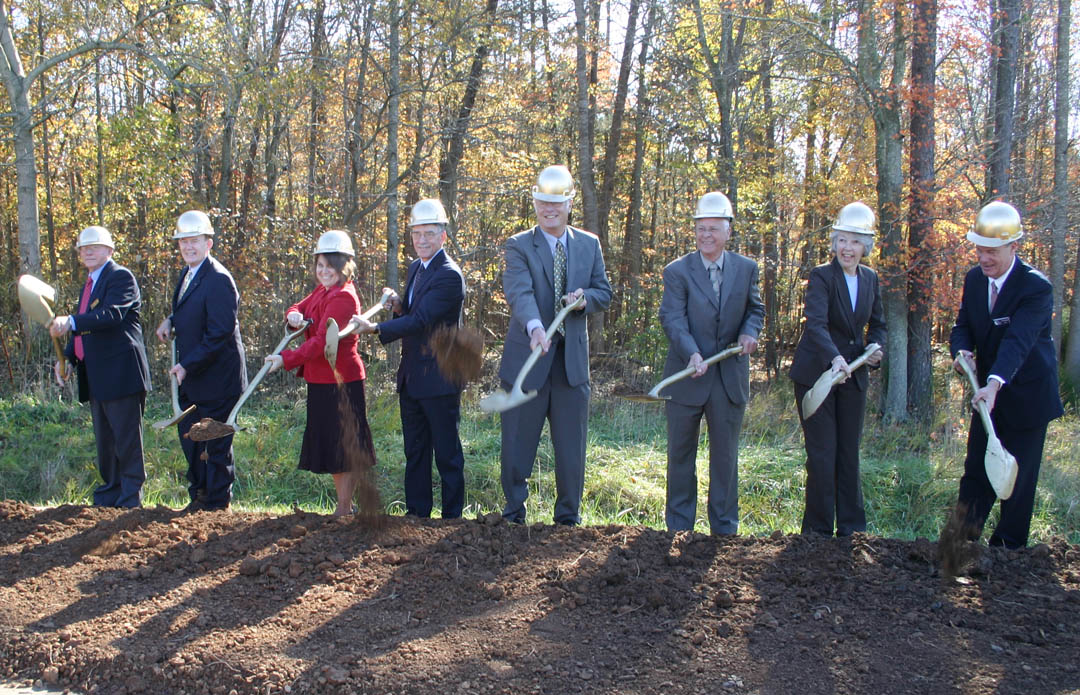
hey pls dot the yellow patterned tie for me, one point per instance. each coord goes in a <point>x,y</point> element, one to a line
<point>560,279</point>
<point>185,284</point>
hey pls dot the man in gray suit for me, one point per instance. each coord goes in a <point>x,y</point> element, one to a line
<point>545,266</point>
<point>710,301</point>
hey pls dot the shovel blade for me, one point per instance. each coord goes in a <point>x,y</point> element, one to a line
<point>642,397</point>
<point>1001,468</point>
<point>817,395</point>
<point>501,401</point>
<point>333,337</point>
<point>35,297</point>
<point>206,429</point>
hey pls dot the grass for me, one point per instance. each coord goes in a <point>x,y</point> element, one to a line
<point>909,479</point>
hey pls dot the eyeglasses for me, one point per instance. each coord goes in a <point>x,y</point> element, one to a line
<point>425,234</point>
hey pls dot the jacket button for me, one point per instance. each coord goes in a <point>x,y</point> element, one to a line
<point>851,342</point>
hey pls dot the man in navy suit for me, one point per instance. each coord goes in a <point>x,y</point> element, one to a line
<point>210,366</point>
<point>548,266</point>
<point>430,403</point>
<point>109,356</point>
<point>1003,329</point>
<point>710,301</point>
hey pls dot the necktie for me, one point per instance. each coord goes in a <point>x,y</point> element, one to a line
<point>993,295</point>
<point>84,302</point>
<point>714,277</point>
<point>185,284</point>
<point>560,279</point>
<point>415,280</point>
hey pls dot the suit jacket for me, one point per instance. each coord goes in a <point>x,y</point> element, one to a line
<point>529,285</point>
<point>832,328</point>
<point>207,330</point>
<point>115,364</point>
<point>437,297</point>
<point>338,303</point>
<point>1013,342</point>
<point>696,321</point>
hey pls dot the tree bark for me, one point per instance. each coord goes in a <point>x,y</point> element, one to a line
<point>999,149</point>
<point>921,213</point>
<point>392,123</point>
<point>1060,207</point>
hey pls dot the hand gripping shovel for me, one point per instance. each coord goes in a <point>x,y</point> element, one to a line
<point>1000,464</point>
<point>334,334</point>
<point>501,400</point>
<point>35,297</point>
<point>174,388</point>
<point>207,429</point>
<point>823,386</point>
<point>654,395</point>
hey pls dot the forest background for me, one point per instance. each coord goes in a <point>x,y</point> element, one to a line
<point>286,118</point>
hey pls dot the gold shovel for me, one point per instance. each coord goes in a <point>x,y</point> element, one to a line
<point>36,299</point>
<point>174,388</point>
<point>654,395</point>
<point>1000,464</point>
<point>334,334</point>
<point>207,428</point>
<point>501,400</point>
<point>823,386</point>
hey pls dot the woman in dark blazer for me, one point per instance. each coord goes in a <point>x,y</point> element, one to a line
<point>843,314</point>
<point>337,426</point>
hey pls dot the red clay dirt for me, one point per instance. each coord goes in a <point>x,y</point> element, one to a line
<point>121,602</point>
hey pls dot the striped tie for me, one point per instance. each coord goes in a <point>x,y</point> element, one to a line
<point>560,279</point>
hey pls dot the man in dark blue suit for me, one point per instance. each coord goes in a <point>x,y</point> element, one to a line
<point>430,403</point>
<point>110,358</point>
<point>210,366</point>
<point>1003,329</point>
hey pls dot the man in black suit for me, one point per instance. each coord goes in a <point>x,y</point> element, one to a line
<point>430,403</point>
<point>109,356</point>
<point>710,301</point>
<point>1003,329</point>
<point>210,366</point>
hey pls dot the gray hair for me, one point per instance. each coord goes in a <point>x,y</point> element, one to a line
<point>867,241</point>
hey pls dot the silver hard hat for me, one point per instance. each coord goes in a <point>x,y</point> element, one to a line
<point>997,224</point>
<point>193,223</point>
<point>334,241</point>
<point>714,204</point>
<point>856,218</point>
<point>94,235</point>
<point>554,185</point>
<point>428,211</point>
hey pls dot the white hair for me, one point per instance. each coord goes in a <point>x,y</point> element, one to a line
<point>867,241</point>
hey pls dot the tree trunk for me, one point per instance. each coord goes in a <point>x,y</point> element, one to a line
<point>921,212</point>
<point>315,95</point>
<point>1060,207</point>
<point>354,127</point>
<point>772,258</point>
<point>46,170</point>
<point>999,150</point>
<point>723,77</point>
<point>393,121</point>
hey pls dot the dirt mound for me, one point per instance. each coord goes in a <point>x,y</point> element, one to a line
<point>152,601</point>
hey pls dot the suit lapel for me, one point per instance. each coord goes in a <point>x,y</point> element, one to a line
<point>541,248</point>
<point>202,271</point>
<point>99,287</point>
<point>700,276</point>
<point>840,294</point>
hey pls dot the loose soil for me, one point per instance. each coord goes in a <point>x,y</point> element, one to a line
<point>154,601</point>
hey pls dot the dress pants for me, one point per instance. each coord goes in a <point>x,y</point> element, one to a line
<point>566,408</point>
<point>724,419</point>
<point>432,424</point>
<point>209,480</point>
<point>977,493</point>
<point>118,433</point>
<point>833,483</point>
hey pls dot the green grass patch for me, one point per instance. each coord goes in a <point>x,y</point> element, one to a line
<point>910,476</point>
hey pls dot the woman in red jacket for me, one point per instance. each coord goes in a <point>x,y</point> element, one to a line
<point>337,427</point>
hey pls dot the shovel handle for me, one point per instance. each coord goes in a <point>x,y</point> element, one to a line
<point>367,315</point>
<point>548,335</point>
<point>984,412</point>
<point>730,351</point>
<point>231,420</point>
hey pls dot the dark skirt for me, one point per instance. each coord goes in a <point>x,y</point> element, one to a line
<point>337,437</point>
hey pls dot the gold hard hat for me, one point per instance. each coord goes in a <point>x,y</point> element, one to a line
<point>334,241</point>
<point>94,235</point>
<point>428,211</point>
<point>996,224</point>
<point>856,218</point>
<point>193,223</point>
<point>554,185</point>
<point>714,204</point>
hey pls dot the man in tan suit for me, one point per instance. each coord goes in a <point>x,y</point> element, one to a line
<point>546,265</point>
<point>710,301</point>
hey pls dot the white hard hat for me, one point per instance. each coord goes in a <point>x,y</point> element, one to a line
<point>94,235</point>
<point>714,204</point>
<point>334,241</point>
<point>856,218</point>
<point>554,185</point>
<point>193,223</point>
<point>428,211</point>
<point>997,224</point>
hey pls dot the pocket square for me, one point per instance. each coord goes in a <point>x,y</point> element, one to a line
<point>1002,321</point>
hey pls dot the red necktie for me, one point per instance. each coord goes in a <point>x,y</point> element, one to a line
<point>84,301</point>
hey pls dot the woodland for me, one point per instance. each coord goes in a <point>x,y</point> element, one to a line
<point>284,118</point>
